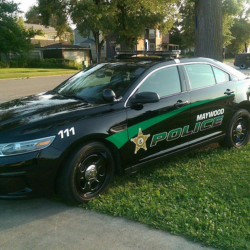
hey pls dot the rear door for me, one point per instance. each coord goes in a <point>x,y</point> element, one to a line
<point>212,96</point>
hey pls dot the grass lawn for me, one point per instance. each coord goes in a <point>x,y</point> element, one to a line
<point>204,196</point>
<point>32,72</point>
<point>228,60</point>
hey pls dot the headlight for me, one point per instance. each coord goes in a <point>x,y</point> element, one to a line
<point>23,147</point>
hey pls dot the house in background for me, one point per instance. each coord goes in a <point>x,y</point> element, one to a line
<point>89,42</point>
<point>152,40</point>
<point>50,37</point>
<point>67,51</point>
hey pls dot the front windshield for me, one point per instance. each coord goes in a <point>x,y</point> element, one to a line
<point>89,85</point>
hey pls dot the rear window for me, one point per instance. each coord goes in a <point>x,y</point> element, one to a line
<point>232,70</point>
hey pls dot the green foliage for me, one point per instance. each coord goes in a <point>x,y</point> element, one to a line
<point>33,72</point>
<point>25,62</point>
<point>231,9</point>
<point>3,64</point>
<point>187,22</point>
<point>240,31</point>
<point>175,36</point>
<point>33,16</point>
<point>127,19</point>
<point>132,17</point>
<point>228,22</point>
<point>14,37</point>
<point>204,196</point>
<point>96,17</point>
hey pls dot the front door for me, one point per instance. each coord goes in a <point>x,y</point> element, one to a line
<point>157,129</point>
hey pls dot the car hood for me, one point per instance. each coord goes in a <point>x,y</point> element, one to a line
<point>37,107</point>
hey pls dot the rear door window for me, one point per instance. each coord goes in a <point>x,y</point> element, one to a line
<point>220,75</point>
<point>200,75</point>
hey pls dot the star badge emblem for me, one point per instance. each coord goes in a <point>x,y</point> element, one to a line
<point>140,141</point>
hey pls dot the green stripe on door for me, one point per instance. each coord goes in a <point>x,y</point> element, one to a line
<point>120,138</point>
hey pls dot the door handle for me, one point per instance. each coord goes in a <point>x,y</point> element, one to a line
<point>229,92</point>
<point>180,103</point>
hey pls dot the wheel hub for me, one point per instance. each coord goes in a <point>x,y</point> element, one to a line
<point>238,129</point>
<point>91,172</point>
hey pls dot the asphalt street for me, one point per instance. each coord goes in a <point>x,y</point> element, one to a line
<point>15,88</point>
<point>45,224</point>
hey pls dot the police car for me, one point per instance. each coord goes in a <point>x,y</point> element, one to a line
<point>114,118</point>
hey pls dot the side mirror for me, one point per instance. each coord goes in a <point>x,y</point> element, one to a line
<point>145,97</point>
<point>109,95</point>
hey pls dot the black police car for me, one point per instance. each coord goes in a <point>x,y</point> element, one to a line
<point>114,118</point>
<point>242,60</point>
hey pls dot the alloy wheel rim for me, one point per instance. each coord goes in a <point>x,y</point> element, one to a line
<point>240,131</point>
<point>91,174</point>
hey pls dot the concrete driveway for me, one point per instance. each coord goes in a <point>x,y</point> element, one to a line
<point>44,224</point>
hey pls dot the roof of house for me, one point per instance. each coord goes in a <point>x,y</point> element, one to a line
<point>39,27</point>
<point>63,46</point>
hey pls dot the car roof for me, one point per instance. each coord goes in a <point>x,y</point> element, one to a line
<point>167,60</point>
<point>158,61</point>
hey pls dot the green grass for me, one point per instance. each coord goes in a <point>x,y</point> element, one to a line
<point>204,196</point>
<point>228,60</point>
<point>33,72</point>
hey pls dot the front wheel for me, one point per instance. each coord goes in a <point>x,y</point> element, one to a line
<point>238,131</point>
<point>86,174</point>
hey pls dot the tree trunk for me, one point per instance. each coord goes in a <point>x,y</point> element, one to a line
<point>208,29</point>
<point>96,35</point>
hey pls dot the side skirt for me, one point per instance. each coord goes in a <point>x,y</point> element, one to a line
<point>135,168</point>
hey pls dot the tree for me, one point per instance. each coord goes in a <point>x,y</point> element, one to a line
<point>127,19</point>
<point>230,9</point>
<point>96,16</point>
<point>187,23</point>
<point>132,17</point>
<point>55,13</point>
<point>240,31</point>
<point>208,29</point>
<point>34,16</point>
<point>240,28</point>
<point>14,37</point>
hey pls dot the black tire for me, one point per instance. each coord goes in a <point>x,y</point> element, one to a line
<point>243,66</point>
<point>86,174</point>
<point>238,130</point>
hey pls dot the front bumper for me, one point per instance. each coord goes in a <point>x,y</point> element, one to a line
<point>29,175</point>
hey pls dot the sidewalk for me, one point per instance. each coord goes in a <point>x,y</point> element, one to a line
<point>44,224</point>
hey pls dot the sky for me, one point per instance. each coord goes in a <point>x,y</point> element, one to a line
<point>25,4</point>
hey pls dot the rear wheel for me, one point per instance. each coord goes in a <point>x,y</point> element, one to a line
<point>243,66</point>
<point>86,174</point>
<point>238,131</point>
